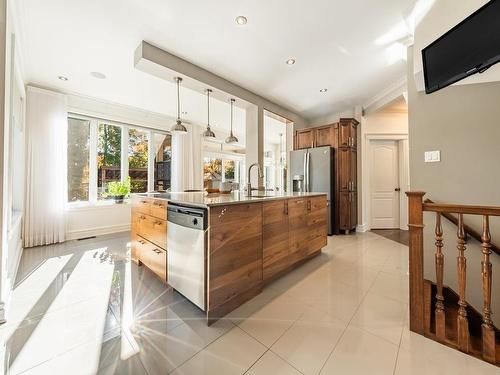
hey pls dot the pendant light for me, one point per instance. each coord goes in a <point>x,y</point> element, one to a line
<point>232,138</point>
<point>208,133</point>
<point>178,127</point>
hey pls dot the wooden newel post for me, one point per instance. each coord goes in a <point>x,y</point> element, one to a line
<point>416,227</point>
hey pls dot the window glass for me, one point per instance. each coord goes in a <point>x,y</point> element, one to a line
<point>78,159</point>
<point>229,170</point>
<point>212,169</point>
<point>109,141</point>
<point>138,160</point>
<point>163,159</point>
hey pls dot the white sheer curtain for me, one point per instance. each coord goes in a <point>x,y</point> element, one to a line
<point>187,169</point>
<point>46,169</point>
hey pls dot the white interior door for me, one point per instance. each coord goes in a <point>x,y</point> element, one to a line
<point>384,184</point>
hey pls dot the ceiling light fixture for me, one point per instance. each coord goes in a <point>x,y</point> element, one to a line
<point>178,127</point>
<point>290,61</point>
<point>241,20</point>
<point>63,78</point>
<point>232,138</point>
<point>208,133</point>
<point>323,90</point>
<point>98,75</point>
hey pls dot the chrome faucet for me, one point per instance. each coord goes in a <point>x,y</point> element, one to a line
<point>249,184</point>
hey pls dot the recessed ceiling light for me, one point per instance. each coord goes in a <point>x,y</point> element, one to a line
<point>241,20</point>
<point>323,90</point>
<point>63,78</point>
<point>98,75</point>
<point>290,61</point>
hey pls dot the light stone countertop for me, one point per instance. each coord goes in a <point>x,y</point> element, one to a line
<point>202,199</point>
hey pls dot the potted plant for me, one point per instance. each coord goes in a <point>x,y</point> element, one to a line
<point>118,190</point>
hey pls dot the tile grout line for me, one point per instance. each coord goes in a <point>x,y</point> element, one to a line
<point>343,332</point>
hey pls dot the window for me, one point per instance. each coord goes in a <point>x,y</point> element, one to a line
<point>109,141</point>
<point>163,160</point>
<point>223,168</point>
<point>78,159</point>
<point>100,152</point>
<point>138,160</point>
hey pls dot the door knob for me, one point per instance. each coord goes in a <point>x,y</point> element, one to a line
<point>397,189</point>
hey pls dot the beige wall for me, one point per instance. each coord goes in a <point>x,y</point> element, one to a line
<point>463,122</point>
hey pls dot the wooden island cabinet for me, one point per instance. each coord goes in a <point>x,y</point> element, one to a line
<point>250,242</point>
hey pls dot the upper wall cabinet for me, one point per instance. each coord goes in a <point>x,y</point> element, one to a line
<point>304,138</point>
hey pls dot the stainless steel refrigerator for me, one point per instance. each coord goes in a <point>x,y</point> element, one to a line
<point>311,170</point>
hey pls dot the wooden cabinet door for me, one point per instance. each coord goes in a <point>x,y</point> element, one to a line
<point>317,222</point>
<point>344,169</point>
<point>153,230</point>
<point>275,237</point>
<point>353,216</point>
<point>297,227</point>
<point>235,256</point>
<point>344,134</point>
<point>353,165</point>
<point>354,135</point>
<point>304,138</point>
<point>142,205</point>
<point>323,136</point>
<point>345,210</point>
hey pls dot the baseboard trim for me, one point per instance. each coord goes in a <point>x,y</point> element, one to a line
<point>74,235</point>
<point>362,228</point>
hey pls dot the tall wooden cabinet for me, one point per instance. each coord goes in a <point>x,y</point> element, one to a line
<point>343,137</point>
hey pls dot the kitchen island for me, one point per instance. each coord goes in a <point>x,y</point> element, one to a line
<point>248,241</point>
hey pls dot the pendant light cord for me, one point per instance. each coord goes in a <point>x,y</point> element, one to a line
<point>178,101</point>
<point>208,108</point>
<point>232,101</point>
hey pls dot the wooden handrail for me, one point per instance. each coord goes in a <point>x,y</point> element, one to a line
<point>461,209</point>
<point>449,216</point>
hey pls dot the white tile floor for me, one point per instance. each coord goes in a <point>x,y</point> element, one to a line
<point>84,308</point>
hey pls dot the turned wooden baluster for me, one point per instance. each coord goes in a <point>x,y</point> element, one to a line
<point>488,332</point>
<point>440,313</point>
<point>462,321</point>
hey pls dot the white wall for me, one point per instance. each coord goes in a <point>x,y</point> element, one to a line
<point>97,220</point>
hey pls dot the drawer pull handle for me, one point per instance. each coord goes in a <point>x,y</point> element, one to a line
<point>158,222</point>
<point>144,202</point>
<point>142,242</point>
<point>157,251</point>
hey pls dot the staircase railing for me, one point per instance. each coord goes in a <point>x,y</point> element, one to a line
<point>419,322</point>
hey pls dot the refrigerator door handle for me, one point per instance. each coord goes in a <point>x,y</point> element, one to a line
<point>306,172</point>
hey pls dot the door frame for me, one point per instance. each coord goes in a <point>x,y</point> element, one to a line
<point>404,176</point>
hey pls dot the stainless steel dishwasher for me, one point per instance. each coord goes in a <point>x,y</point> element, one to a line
<point>186,229</point>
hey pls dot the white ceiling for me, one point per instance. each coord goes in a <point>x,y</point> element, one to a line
<point>333,41</point>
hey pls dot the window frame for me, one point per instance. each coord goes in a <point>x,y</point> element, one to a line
<point>124,165</point>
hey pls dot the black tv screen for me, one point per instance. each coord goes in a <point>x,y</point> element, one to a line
<point>470,47</point>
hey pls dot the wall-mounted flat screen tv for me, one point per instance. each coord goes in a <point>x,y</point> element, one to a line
<point>470,47</point>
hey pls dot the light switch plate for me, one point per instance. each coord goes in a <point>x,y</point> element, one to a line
<point>432,156</point>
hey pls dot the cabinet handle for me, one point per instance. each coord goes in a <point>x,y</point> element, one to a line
<point>144,202</point>
<point>286,207</point>
<point>308,205</point>
<point>142,242</point>
<point>157,251</point>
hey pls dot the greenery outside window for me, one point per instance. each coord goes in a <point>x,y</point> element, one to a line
<point>101,152</point>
